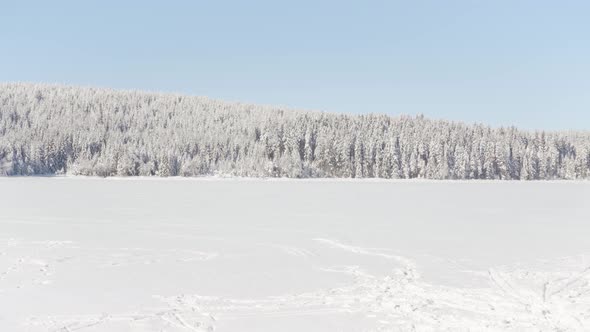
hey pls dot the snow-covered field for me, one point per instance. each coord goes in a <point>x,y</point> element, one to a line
<point>275,255</point>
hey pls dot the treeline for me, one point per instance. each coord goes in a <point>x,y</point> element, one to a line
<point>47,129</point>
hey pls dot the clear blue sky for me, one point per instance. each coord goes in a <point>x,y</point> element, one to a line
<point>500,62</point>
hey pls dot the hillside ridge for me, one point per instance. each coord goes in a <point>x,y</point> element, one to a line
<point>57,129</point>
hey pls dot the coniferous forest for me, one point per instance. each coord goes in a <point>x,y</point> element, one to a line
<point>52,129</point>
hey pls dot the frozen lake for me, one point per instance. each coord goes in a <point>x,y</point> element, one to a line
<point>80,254</point>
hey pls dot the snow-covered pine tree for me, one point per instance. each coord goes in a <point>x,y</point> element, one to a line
<point>50,129</point>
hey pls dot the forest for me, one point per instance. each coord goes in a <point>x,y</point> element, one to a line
<point>55,129</point>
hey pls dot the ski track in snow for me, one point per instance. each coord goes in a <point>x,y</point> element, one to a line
<point>208,268</point>
<point>518,298</point>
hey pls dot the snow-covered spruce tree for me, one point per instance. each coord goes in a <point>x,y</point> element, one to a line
<point>50,129</point>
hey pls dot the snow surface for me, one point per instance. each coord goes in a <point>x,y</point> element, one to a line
<point>275,255</point>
